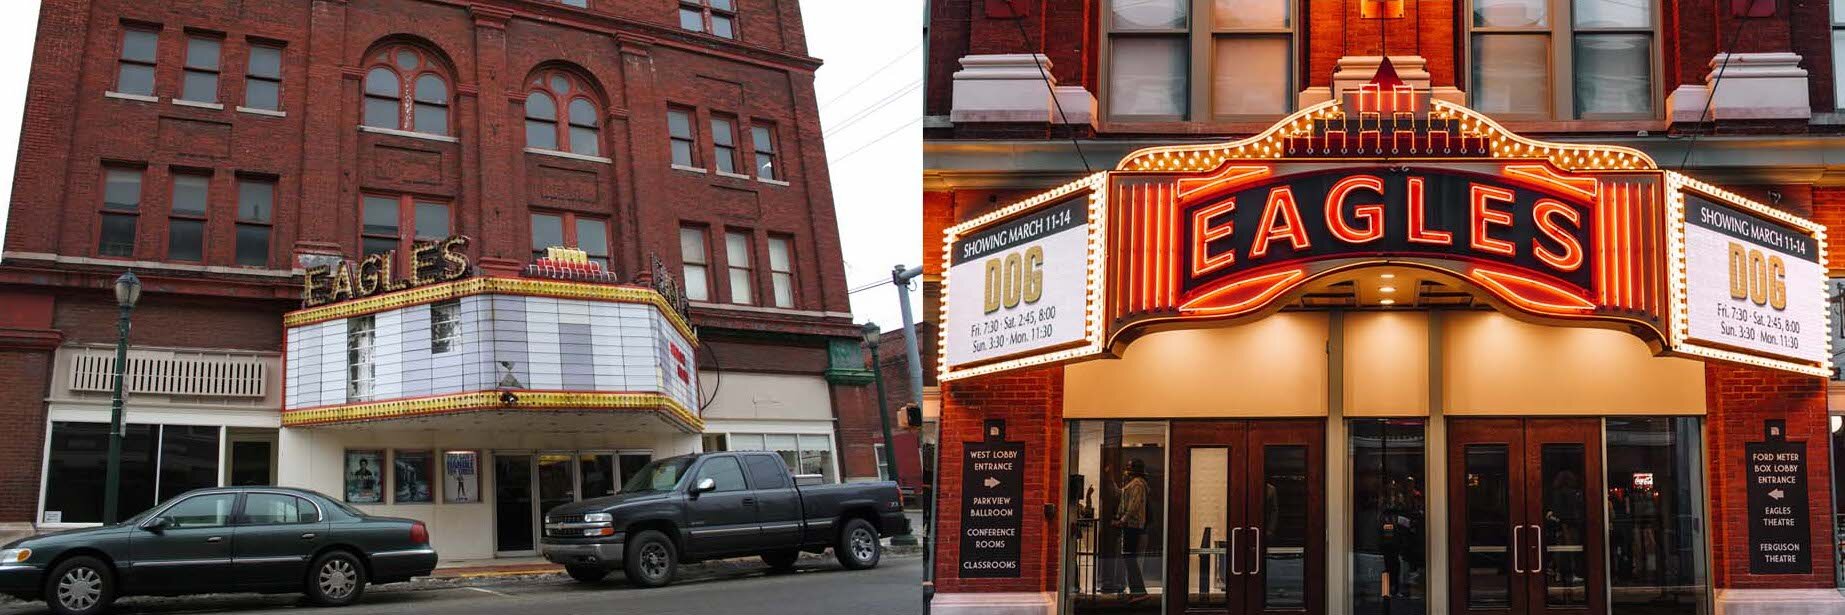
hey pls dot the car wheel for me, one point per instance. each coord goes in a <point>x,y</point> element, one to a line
<point>587,574</point>
<point>337,578</point>
<point>80,586</point>
<point>652,560</point>
<point>781,561</point>
<point>858,546</point>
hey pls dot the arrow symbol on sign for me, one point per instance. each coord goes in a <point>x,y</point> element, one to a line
<point>992,482</point>
<point>1776,494</point>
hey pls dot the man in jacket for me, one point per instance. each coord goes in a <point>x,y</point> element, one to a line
<point>1131,517</point>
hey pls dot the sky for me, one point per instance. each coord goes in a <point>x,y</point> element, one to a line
<point>870,94</point>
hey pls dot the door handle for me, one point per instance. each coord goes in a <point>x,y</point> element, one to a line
<point>1233,569</point>
<point>1537,565</point>
<point>308,536</point>
<point>749,501</point>
<point>1515,567</point>
<point>1257,567</point>
<point>215,539</point>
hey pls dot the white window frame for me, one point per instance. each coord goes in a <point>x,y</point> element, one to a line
<point>884,471</point>
<point>436,334</point>
<point>1560,34</point>
<point>1201,32</point>
<point>730,445</point>
<point>361,357</point>
<point>1838,54</point>
<point>740,262</point>
<point>781,278</point>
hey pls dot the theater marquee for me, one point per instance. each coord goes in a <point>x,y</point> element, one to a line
<point>1565,234</point>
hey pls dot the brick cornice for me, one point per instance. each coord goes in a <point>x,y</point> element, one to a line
<point>491,17</point>
<point>12,338</point>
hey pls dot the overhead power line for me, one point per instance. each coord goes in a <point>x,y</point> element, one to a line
<point>869,76</point>
<point>893,131</point>
<point>881,103</point>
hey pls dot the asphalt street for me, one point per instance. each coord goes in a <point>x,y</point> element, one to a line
<point>894,587</point>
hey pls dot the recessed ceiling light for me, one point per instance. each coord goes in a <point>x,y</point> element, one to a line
<point>1386,302</point>
<point>1386,289</point>
<point>1387,276</point>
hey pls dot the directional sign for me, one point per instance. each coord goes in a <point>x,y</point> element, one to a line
<point>992,508</point>
<point>1780,536</point>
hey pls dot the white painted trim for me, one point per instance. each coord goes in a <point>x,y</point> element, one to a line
<point>44,475</point>
<point>155,265</point>
<point>724,173</point>
<point>994,603</point>
<point>408,133</point>
<point>768,310</point>
<point>571,155</point>
<point>773,182</point>
<point>268,112</point>
<point>123,96</point>
<point>136,412</point>
<point>681,167</point>
<point>200,104</point>
<point>769,426</point>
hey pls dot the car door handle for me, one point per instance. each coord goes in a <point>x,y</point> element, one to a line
<point>749,501</point>
<point>215,539</point>
<point>308,536</point>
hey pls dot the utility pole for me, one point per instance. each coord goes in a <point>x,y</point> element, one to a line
<point>900,277</point>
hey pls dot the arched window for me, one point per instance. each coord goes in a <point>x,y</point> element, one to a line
<point>576,129</point>
<point>405,89</point>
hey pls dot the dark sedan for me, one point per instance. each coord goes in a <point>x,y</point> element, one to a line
<point>257,539</point>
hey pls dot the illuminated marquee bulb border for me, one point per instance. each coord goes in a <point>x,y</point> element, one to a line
<point>1094,284</point>
<point>1679,280</point>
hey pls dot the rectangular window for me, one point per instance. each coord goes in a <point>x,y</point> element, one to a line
<point>737,255</point>
<point>121,208</point>
<point>188,460</point>
<point>262,84</point>
<point>697,259</point>
<point>77,462</point>
<point>781,270</point>
<point>379,231</point>
<point>1838,59</point>
<point>582,4</point>
<point>1105,457</point>
<point>385,218</point>
<point>1245,68</point>
<point>1252,58</point>
<point>1519,49</point>
<point>1656,500</point>
<point>762,138</point>
<point>724,144</point>
<point>135,71</point>
<point>186,224</point>
<point>685,142</point>
<point>255,214</point>
<point>1388,478</point>
<point>360,370</point>
<point>432,221</point>
<point>718,17</point>
<point>444,326</point>
<point>569,230</point>
<point>806,454</point>
<point>884,472</point>
<point>201,79</point>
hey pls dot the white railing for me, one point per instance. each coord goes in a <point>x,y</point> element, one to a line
<point>172,372</point>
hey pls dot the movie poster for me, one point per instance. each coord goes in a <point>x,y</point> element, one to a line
<point>461,477</point>
<point>364,477</point>
<point>412,472</point>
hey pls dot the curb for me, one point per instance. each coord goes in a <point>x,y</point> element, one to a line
<point>541,570</point>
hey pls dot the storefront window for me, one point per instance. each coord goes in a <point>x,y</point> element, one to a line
<point>810,454</point>
<point>1115,555</point>
<point>1656,550</point>
<point>158,462</point>
<point>1389,516</point>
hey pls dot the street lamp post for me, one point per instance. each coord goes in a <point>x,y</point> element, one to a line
<point>127,292</point>
<point>872,332</point>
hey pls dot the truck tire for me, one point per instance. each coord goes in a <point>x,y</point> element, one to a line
<point>781,561</point>
<point>858,547</point>
<point>652,559</point>
<point>587,574</point>
<point>81,585</point>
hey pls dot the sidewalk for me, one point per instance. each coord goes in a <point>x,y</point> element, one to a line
<point>537,566</point>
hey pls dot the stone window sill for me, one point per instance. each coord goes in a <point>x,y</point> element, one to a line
<point>411,134</point>
<point>570,155</point>
<point>139,97</point>
<point>733,175</point>
<point>200,104</point>
<point>268,112</point>
<point>773,182</point>
<point>681,167</point>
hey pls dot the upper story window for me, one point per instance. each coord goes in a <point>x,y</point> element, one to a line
<point>135,74</point>
<point>570,230</point>
<point>202,61</point>
<point>724,143</point>
<point>186,221</point>
<point>742,280</point>
<point>255,215</point>
<point>1227,60</point>
<point>1838,53</point>
<point>395,222</point>
<point>120,210</point>
<point>262,78</point>
<point>571,127</point>
<point>1551,59</point>
<point>696,255</point>
<point>781,270</point>
<point>685,142</point>
<point>406,89</point>
<point>762,137</point>
<point>718,17</point>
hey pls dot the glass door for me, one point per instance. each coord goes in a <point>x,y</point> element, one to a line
<point>1249,503</point>
<point>557,481</point>
<point>1526,538</point>
<point>514,528</point>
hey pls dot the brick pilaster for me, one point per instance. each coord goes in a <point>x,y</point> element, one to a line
<point>1031,403</point>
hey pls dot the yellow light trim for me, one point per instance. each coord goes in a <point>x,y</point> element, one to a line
<point>492,286</point>
<point>490,400</point>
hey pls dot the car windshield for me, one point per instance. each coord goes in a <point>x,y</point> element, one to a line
<point>660,475</point>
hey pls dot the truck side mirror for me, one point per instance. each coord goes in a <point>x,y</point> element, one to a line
<point>704,484</point>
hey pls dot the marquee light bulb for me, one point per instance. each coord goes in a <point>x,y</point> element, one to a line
<point>1386,289</point>
<point>1387,302</point>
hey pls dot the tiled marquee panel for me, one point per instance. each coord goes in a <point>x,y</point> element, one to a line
<point>552,344</point>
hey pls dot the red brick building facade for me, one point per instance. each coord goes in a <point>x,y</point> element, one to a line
<point>218,149</point>
<point>1739,94</point>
